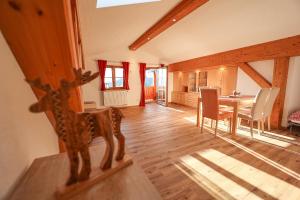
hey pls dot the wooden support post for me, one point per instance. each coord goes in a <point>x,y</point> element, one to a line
<point>257,77</point>
<point>280,74</point>
<point>43,36</point>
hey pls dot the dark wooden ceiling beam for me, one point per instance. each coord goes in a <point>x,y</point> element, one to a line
<point>181,10</point>
<point>286,47</point>
<point>254,75</point>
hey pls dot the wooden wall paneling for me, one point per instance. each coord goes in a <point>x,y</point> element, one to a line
<point>254,75</point>
<point>40,34</point>
<point>280,75</point>
<point>177,13</point>
<point>286,47</point>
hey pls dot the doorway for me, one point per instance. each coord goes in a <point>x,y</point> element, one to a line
<point>150,86</point>
<point>156,85</point>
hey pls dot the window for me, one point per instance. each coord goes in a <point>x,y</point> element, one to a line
<point>114,77</point>
<point>110,3</point>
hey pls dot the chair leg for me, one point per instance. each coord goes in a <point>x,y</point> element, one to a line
<point>269,123</point>
<point>216,128</point>
<point>263,125</point>
<point>211,123</point>
<point>239,122</point>
<point>202,123</point>
<point>230,125</point>
<point>251,128</point>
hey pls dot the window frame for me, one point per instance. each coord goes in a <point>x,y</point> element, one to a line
<point>113,70</point>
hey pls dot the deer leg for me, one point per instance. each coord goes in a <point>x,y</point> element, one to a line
<point>74,163</point>
<point>121,144</point>
<point>86,164</point>
<point>109,151</point>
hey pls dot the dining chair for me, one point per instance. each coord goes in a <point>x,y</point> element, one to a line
<point>257,110</point>
<point>269,105</point>
<point>211,110</point>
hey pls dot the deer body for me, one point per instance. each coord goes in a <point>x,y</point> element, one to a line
<point>77,129</point>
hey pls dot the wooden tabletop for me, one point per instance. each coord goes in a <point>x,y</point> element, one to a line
<point>46,174</point>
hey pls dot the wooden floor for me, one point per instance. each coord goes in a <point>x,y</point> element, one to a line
<point>182,163</point>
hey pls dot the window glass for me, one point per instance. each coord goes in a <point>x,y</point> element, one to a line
<point>108,72</point>
<point>149,80</point>
<point>119,82</point>
<point>119,72</point>
<point>108,82</point>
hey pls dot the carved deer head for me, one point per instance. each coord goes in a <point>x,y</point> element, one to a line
<point>45,103</point>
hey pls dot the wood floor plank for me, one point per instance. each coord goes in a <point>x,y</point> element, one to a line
<point>168,146</point>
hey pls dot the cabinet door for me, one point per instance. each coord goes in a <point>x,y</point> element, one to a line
<point>173,97</point>
<point>214,78</point>
<point>229,80</point>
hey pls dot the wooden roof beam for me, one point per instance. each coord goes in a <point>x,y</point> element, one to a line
<point>254,75</point>
<point>181,10</point>
<point>286,47</point>
<point>280,76</point>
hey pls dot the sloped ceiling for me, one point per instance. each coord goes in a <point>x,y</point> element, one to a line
<point>218,25</point>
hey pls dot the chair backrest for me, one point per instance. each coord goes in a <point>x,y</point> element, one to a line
<point>260,102</point>
<point>210,103</point>
<point>271,100</point>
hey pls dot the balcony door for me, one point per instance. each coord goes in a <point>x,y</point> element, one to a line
<point>161,85</point>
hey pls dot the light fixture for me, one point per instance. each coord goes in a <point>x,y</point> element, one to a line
<point>174,20</point>
<point>148,38</point>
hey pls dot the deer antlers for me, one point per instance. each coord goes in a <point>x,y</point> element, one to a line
<point>38,84</point>
<point>80,79</point>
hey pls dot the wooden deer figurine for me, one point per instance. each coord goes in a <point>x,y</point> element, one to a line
<point>78,129</point>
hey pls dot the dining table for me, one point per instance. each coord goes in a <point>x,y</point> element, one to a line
<point>235,102</point>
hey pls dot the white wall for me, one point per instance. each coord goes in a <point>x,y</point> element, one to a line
<point>91,91</point>
<point>248,86</point>
<point>23,135</point>
<point>292,99</point>
<point>107,33</point>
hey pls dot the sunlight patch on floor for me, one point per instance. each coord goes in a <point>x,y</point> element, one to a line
<point>192,119</point>
<point>263,138</point>
<point>223,126</point>
<point>212,181</point>
<point>269,184</point>
<point>263,158</point>
<point>174,109</point>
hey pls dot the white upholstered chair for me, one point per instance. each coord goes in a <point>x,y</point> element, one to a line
<point>257,110</point>
<point>269,105</point>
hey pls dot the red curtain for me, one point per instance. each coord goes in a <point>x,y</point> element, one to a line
<point>102,68</point>
<point>142,76</point>
<point>126,74</point>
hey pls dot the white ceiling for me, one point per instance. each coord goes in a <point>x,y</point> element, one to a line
<point>217,26</point>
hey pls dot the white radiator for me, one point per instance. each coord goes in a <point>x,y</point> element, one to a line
<point>115,98</point>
